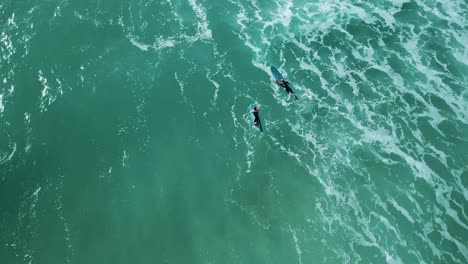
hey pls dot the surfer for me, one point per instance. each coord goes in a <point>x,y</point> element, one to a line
<point>255,113</point>
<point>285,85</point>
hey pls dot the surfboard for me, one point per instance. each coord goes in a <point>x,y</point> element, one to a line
<point>276,74</point>
<point>278,77</point>
<point>257,126</point>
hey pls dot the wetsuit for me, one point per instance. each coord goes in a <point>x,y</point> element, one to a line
<point>257,118</point>
<point>285,85</point>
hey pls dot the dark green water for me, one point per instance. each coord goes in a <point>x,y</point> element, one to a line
<point>122,138</point>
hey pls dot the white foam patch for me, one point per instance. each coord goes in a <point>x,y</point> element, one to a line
<point>202,25</point>
<point>388,17</point>
<point>392,259</point>
<point>6,46</point>
<point>36,193</point>
<point>2,104</point>
<point>45,86</point>
<point>216,85</point>
<point>442,192</point>
<point>35,198</point>
<point>27,124</point>
<point>416,205</point>
<point>107,173</point>
<point>390,144</point>
<point>309,66</point>
<point>57,12</point>
<point>234,117</point>
<point>11,21</point>
<point>181,84</point>
<point>388,225</point>
<point>458,174</point>
<point>11,90</point>
<point>139,45</point>
<point>63,220</point>
<point>49,93</point>
<point>444,232</point>
<point>399,3</point>
<point>203,32</point>
<point>403,211</point>
<point>185,99</point>
<point>456,103</point>
<point>329,188</point>
<point>296,243</point>
<point>284,13</point>
<point>249,155</point>
<point>162,43</point>
<point>124,159</point>
<point>5,157</point>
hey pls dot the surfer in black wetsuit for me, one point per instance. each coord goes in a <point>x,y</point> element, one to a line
<point>285,85</point>
<point>257,118</point>
<point>255,112</point>
<point>256,121</point>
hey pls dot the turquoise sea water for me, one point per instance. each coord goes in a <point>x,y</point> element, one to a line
<point>122,138</point>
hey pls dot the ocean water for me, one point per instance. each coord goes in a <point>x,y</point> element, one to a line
<point>122,138</point>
